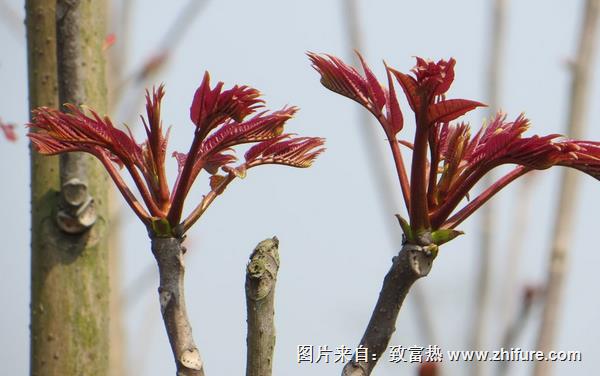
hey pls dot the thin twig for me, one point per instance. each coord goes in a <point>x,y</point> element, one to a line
<point>12,20</point>
<point>156,63</point>
<point>529,297</point>
<point>482,285</point>
<point>521,211</point>
<point>565,214</point>
<point>120,19</point>
<point>261,277</point>
<point>118,54</point>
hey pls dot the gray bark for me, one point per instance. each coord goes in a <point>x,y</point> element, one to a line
<point>412,263</point>
<point>169,256</point>
<point>69,279</point>
<point>261,277</point>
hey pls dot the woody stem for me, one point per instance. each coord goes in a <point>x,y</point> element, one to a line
<point>412,263</point>
<point>169,256</point>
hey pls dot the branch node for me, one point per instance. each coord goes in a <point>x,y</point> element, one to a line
<point>164,298</point>
<point>420,258</point>
<point>261,277</point>
<point>191,359</point>
<point>77,219</point>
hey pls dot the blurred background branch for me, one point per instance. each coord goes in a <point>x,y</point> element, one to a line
<point>487,225</point>
<point>565,213</point>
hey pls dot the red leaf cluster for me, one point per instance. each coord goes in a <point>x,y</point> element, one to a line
<point>221,123</point>
<point>446,161</point>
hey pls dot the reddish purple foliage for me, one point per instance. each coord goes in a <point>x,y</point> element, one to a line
<point>221,123</point>
<point>8,130</point>
<point>447,161</point>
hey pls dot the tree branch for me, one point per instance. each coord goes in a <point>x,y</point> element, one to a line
<point>412,263</point>
<point>261,276</point>
<point>530,296</point>
<point>169,256</point>
<point>77,212</point>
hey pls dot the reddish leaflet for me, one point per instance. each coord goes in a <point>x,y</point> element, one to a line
<point>221,119</point>
<point>446,160</point>
<point>8,130</point>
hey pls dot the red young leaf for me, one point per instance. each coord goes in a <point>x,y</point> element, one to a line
<point>261,127</point>
<point>256,150</point>
<point>393,112</point>
<point>492,142</point>
<point>8,130</point>
<point>295,152</point>
<point>211,106</point>
<point>376,93</point>
<point>452,140</point>
<point>218,160</point>
<point>584,156</point>
<point>340,77</point>
<point>448,110</point>
<point>58,132</point>
<point>180,158</point>
<point>435,78</point>
<point>155,148</point>
<point>410,87</point>
<point>431,79</point>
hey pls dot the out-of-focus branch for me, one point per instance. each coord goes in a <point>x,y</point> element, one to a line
<point>482,285</point>
<point>12,20</point>
<point>429,369</point>
<point>120,21</point>
<point>156,63</point>
<point>261,277</point>
<point>520,220</point>
<point>564,218</point>
<point>530,296</point>
<point>118,54</point>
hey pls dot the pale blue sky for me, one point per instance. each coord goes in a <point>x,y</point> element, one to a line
<point>334,246</point>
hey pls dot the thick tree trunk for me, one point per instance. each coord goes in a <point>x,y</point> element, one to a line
<point>169,256</point>
<point>261,277</point>
<point>69,288</point>
<point>412,263</point>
